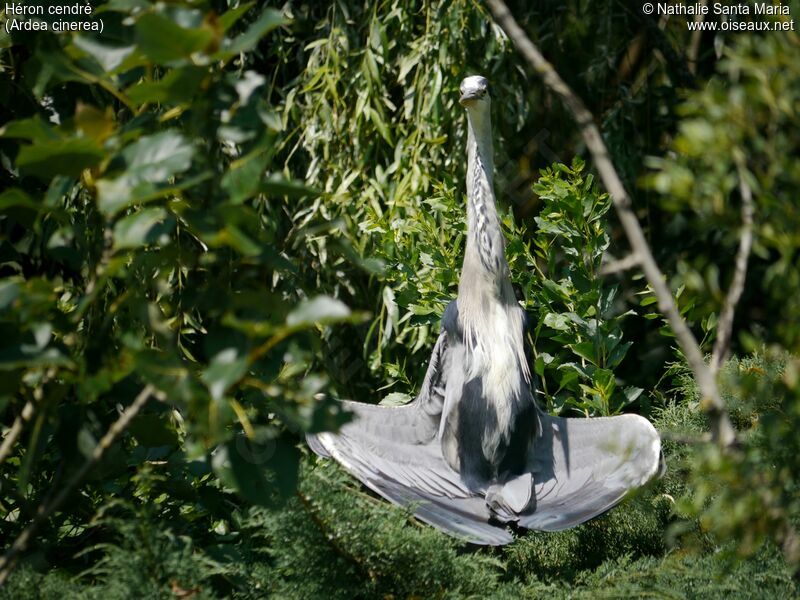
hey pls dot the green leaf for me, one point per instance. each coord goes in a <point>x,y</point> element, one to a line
<point>269,20</point>
<point>541,362</point>
<point>263,472</point>
<point>558,290</point>
<point>322,309</point>
<point>234,237</point>
<point>108,57</point>
<point>46,159</point>
<point>605,381</point>
<point>16,197</point>
<point>392,314</point>
<point>163,40</point>
<point>9,292</point>
<point>86,442</point>
<point>225,369</point>
<point>578,369</point>
<point>150,160</point>
<point>244,181</point>
<point>179,85</point>
<point>147,226</point>
<point>230,17</point>
<point>568,376</point>
<point>557,322</point>
<point>34,129</point>
<point>380,125</point>
<point>632,393</point>
<point>155,158</point>
<point>585,350</point>
<point>710,322</point>
<point>396,399</point>
<point>617,354</point>
<point>276,185</point>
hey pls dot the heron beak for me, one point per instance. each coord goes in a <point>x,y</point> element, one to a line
<point>469,95</point>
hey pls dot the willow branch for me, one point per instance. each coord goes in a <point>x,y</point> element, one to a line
<point>721,428</point>
<point>47,508</point>
<point>725,326</point>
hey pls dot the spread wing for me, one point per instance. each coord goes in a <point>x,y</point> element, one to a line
<point>576,468</point>
<point>583,467</point>
<point>395,451</point>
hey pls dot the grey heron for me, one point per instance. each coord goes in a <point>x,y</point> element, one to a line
<point>474,452</point>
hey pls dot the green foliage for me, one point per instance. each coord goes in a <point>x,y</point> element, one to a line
<point>335,541</point>
<point>420,279</point>
<point>638,531</point>
<point>143,243</point>
<point>752,494</point>
<point>373,120</point>
<point>739,126</point>
<point>576,327</point>
<point>211,197</point>
<point>688,576</point>
<point>736,134</point>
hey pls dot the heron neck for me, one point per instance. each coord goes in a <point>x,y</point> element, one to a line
<point>480,155</point>
<point>485,242</point>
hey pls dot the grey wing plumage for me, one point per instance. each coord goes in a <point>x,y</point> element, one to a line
<point>576,468</point>
<point>583,467</point>
<point>395,452</point>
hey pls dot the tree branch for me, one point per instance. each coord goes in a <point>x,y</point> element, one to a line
<point>8,562</point>
<point>694,44</point>
<point>721,429</point>
<point>15,430</point>
<point>617,266</point>
<point>27,413</point>
<point>725,326</point>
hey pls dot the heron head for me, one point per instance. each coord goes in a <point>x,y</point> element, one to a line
<point>474,91</point>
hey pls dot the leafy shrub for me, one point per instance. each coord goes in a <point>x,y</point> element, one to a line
<point>574,320</point>
<point>750,496</point>
<point>143,244</point>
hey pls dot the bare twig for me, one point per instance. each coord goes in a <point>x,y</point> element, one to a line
<point>44,511</point>
<point>694,44</point>
<point>725,326</point>
<point>15,430</point>
<point>631,58</point>
<point>721,429</point>
<point>623,264</point>
<point>677,69</point>
<point>27,413</point>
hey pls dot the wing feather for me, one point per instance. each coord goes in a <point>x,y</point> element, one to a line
<point>583,467</point>
<point>395,451</point>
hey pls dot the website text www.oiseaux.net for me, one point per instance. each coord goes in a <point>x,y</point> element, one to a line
<point>758,16</point>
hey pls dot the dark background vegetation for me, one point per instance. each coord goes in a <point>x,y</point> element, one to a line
<point>257,210</point>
